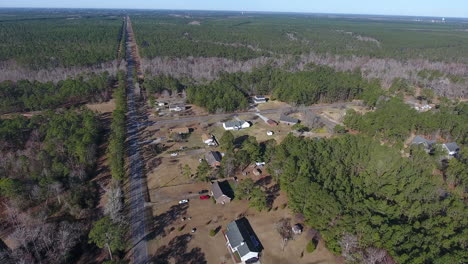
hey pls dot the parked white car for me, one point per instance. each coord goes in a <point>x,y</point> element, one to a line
<point>269,133</point>
<point>175,154</point>
<point>183,201</point>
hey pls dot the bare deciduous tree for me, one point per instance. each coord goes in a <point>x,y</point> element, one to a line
<point>284,230</point>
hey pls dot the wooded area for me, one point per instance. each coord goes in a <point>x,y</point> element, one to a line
<point>26,95</point>
<point>231,35</point>
<point>363,197</point>
<point>45,166</point>
<point>60,42</point>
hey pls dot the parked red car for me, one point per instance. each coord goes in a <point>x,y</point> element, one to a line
<point>205,197</point>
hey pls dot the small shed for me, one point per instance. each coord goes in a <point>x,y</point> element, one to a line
<point>257,172</point>
<point>272,122</point>
<point>297,229</point>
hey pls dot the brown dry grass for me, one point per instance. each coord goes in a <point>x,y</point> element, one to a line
<point>205,216</point>
<point>106,107</point>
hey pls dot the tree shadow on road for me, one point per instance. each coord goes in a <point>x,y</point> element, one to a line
<point>160,222</point>
<point>177,250</point>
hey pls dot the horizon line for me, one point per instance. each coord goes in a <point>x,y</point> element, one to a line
<point>240,11</point>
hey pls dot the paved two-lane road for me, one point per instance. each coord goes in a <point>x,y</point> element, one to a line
<point>138,225</point>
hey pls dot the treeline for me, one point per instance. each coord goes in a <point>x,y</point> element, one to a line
<point>364,197</point>
<point>217,96</point>
<point>25,95</point>
<point>116,148</point>
<point>160,83</point>
<point>394,120</point>
<point>240,37</point>
<point>46,163</point>
<point>318,84</point>
<point>40,44</point>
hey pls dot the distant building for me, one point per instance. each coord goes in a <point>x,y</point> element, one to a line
<point>213,158</point>
<point>452,148</point>
<point>221,192</point>
<point>177,108</point>
<point>209,140</point>
<point>180,130</point>
<point>259,99</point>
<point>242,239</point>
<point>290,121</point>
<point>236,125</point>
<point>420,141</point>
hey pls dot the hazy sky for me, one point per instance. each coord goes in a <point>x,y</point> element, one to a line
<point>447,8</point>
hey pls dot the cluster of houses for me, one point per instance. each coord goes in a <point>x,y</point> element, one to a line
<point>452,148</point>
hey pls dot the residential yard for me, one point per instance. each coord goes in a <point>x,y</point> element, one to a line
<point>272,105</point>
<point>173,241</point>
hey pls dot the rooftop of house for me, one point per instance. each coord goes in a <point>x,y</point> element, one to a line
<point>420,140</point>
<point>452,146</point>
<point>289,119</point>
<point>219,189</point>
<point>234,123</point>
<point>241,235</point>
<point>212,157</point>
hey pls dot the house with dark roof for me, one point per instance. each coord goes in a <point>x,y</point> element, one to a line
<point>420,141</point>
<point>452,148</point>
<point>290,121</point>
<point>242,239</point>
<point>221,192</point>
<point>213,158</point>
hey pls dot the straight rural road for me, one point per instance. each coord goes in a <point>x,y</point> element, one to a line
<point>138,225</point>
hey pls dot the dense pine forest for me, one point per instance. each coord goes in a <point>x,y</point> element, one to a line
<point>245,36</point>
<point>75,40</point>
<point>363,196</point>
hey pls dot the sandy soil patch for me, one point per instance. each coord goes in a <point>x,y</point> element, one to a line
<point>106,107</point>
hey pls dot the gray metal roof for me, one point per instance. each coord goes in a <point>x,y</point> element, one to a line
<point>243,250</point>
<point>288,119</point>
<point>234,234</point>
<point>237,233</point>
<point>420,140</point>
<point>216,189</point>
<point>234,123</point>
<point>452,146</point>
